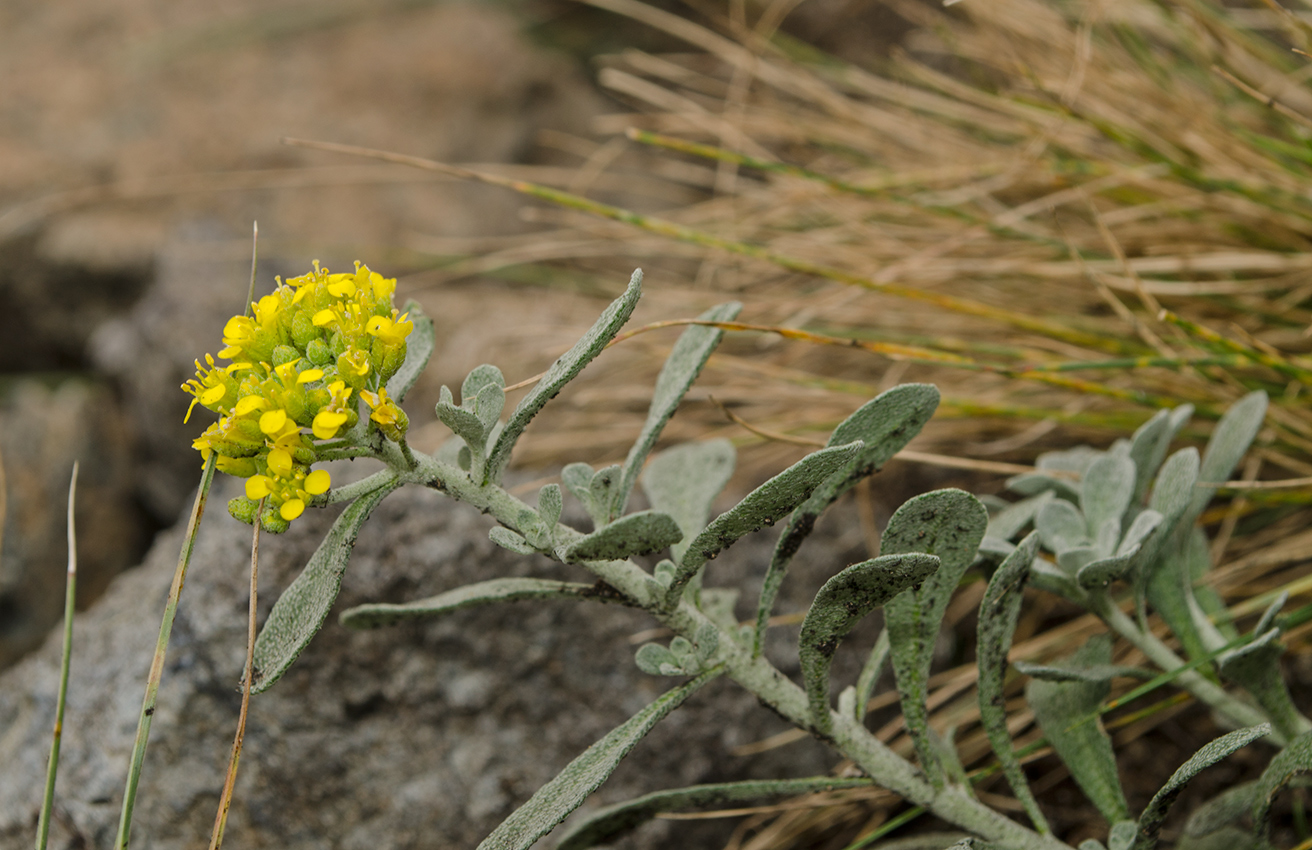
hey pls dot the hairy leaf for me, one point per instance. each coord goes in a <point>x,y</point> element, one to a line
<point>1067,713</point>
<point>1222,810</point>
<point>636,534</point>
<point>1104,571</point>
<point>1171,590</point>
<point>577,478</point>
<point>550,504</point>
<point>464,423</point>
<point>1062,526</point>
<point>299,613</point>
<point>566,792</point>
<point>949,524</point>
<point>1009,522</point>
<point>479,379</point>
<point>840,604</point>
<point>684,482</point>
<point>763,506</point>
<point>566,367</point>
<point>1256,667</point>
<point>681,369</point>
<point>998,614</point>
<point>1294,759</point>
<point>1105,491</point>
<point>418,349</point>
<point>656,660</point>
<point>614,821</point>
<point>1038,483</point>
<point>373,615</point>
<point>1150,822</point>
<point>885,424</point>
<point>1230,440</point>
<point>511,540</point>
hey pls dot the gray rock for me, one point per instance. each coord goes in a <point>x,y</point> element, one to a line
<point>43,430</point>
<point>424,735</point>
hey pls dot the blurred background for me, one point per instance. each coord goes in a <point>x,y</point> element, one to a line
<point>1066,214</point>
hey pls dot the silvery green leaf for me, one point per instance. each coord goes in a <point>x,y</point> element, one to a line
<point>1225,809</point>
<point>550,504</point>
<point>949,524</point>
<point>635,534</point>
<point>1037,483</point>
<point>613,822</point>
<point>656,660</point>
<point>945,748</point>
<point>1093,673</point>
<point>444,396</point>
<point>681,368</point>
<point>684,482</point>
<point>600,492</point>
<point>1046,575</point>
<point>299,613</point>
<point>885,424</point>
<point>1233,434</point>
<point>463,423</point>
<point>1105,490</point>
<point>1076,460</point>
<point>566,792</point>
<point>464,457</point>
<point>1144,524</point>
<point>683,653</point>
<point>373,615</point>
<point>1103,571</point>
<point>1076,559</point>
<point>1068,715</point>
<point>1091,844</point>
<point>995,550</point>
<point>1151,442</point>
<point>970,842</point>
<point>763,506</point>
<point>512,540</point>
<point>1269,615</point>
<point>705,642</point>
<point>478,380</point>
<point>1170,590</point>
<point>488,404</point>
<point>664,572</point>
<point>870,673</point>
<point>1107,536</point>
<point>566,367</point>
<point>1122,835</point>
<point>847,701</point>
<point>418,349</point>
<point>998,614</point>
<point>1062,526</point>
<point>577,478</point>
<point>839,605</point>
<point>1256,667</point>
<point>1174,487</point>
<point>717,603</point>
<point>1150,822</point>
<point>1012,519</point>
<point>1294,759</point>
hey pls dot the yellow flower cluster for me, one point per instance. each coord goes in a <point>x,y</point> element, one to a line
<point>300,362</point>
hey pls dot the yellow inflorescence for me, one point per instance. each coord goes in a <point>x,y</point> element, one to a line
<point>300,362</point>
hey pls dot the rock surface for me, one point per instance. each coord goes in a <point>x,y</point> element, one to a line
<point>420,736</point>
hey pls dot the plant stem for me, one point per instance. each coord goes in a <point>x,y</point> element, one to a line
<point>157,663</point>
<point>1194,682</point>
<point>230,781</point>
<point>70,597</point>
<point>756,674</point>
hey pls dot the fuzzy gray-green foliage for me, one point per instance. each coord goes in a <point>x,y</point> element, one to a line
<point>1104,522</point>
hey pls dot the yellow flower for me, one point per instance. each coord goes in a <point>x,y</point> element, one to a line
<point>318,482</point>
<point>326,423</point>
<point>389,331</point>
